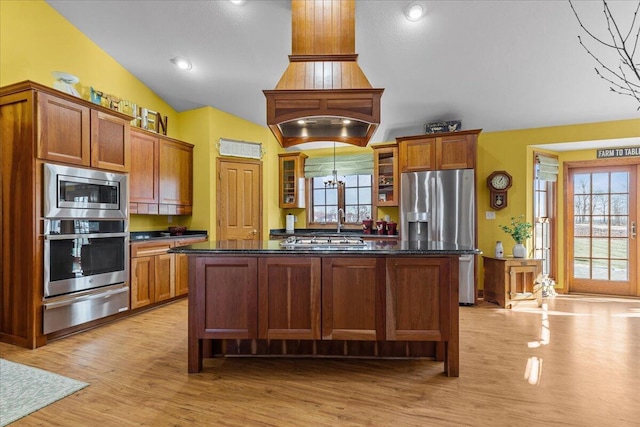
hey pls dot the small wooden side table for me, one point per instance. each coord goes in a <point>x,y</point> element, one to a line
<point>511,279</point>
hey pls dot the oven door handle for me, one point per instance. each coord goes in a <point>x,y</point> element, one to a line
<point>69,301</point>
<point>86,236</point>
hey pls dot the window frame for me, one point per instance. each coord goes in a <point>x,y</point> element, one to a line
<point>341,204</point>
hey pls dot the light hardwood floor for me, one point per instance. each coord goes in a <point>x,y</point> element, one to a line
<point>587,351</point>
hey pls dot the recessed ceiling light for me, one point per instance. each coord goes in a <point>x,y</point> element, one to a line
<point>302,122</point>
<point>237,2</point>
<point>180,62</point>
<point>346,121</point>
<point>415,11</point>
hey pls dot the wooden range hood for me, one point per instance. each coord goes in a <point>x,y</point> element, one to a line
<point>323,84</point>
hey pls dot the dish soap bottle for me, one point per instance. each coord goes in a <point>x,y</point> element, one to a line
<point>499,249</point>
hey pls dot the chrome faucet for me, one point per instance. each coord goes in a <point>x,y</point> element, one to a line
<point>340,215</point>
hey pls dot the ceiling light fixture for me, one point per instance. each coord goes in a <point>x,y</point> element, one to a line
<point>180,62</point>
<point>415,11</point>
<point>237,2</point>
<point>334,180</point>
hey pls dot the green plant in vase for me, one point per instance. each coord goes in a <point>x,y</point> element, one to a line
<point>520,231</point>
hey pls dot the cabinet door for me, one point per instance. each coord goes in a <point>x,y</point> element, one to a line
<point>142,281</point>
<point>353,298</point>
<point>110,147</point>
<point>385,175</point>
<point>63,130</point>
<point>291,193</point>
<point>419,298</point>
<point>144,175</point>
<point>289,298</point>
<point>226,295</point>
<point>182,274</point>
<point>176,173</point>
<point>418,155</point>
<point>456,152</point>
<point>165,285</point>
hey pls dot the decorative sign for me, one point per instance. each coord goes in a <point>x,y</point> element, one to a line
<point>142,117</point>
<point>251,150</point>
<point>607,153</point>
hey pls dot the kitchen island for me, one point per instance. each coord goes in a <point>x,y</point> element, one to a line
<point>380,299</point>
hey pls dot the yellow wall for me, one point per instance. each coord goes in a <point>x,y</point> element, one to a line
<point>512,151</point>
<point>35,40</point>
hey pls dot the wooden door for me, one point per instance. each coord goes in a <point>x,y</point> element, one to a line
<point>353,298</point>
<point>165,268</point>
<point>223,297</point>
<point>289,298</point>
<point>176,174</point>
<point>417,155</point>
<point>144,175</point>
<point>142,281</point>
<point>63,130</point>
<point>239,201</point>
<point>110,147</point>
<point>456,152</point>
<point>419,298</point>
<point>602,255</point>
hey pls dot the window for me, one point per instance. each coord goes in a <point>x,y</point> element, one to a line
<point>544,211</point>
<point>354,197</point>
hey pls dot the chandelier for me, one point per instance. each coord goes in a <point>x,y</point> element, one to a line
<point>334,180</point>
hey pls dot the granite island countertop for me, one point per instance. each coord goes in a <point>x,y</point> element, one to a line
<point>378,247</point>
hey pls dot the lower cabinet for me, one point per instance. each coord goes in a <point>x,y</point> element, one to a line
<point>157,275</point>
<point>314,298</point>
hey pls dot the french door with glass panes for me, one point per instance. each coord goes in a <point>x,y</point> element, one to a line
<point>602,254</point>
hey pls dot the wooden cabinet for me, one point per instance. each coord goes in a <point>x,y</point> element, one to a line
<point>156,275</point>
<point>182,264</point>
<point>161,178</point>
<point>451,150</point>
<point>289,298</point>
<point>508,279</point>
<point>39,124</point>
<point>73,133</point>
<point>225,299</point>
<point>353,299</point>
<point>291,183</point>
<point>385,175</point>
<point>419,299</point>
<point>324,306</point>
<point>152,272</point>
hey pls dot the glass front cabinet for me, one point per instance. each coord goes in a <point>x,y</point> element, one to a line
<point>385,169</point>
<point>292,180</point>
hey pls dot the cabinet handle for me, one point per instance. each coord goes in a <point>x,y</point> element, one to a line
<point>633,229</point>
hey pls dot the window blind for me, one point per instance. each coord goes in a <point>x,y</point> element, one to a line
<point>547,168</point>
<point>354,164</point>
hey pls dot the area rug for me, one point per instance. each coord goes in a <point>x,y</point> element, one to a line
<point>24,390</point>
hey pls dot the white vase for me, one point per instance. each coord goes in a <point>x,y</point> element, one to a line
<point>519,251</point>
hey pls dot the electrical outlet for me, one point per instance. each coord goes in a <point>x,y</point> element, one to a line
<point>169,219</point>
<point>490,215</point>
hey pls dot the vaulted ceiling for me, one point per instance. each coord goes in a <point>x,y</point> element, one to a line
<point>495,65</point>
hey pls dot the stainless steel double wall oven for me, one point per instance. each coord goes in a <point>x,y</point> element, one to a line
<point>86,245</point>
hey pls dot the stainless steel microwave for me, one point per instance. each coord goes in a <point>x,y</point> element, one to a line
<point>71,192</point>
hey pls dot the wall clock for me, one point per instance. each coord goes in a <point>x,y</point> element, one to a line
<point>498,182</point>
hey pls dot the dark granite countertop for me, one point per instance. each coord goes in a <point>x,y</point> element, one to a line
<point>283,233</point>
<point>378,247</point>
<point>137,236</point>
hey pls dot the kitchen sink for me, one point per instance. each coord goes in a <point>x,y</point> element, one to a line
<point>323,243</point>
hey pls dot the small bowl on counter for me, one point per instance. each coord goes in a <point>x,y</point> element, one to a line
<point>177,230</point>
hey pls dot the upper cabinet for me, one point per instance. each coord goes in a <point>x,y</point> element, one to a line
<point>450,150</point>
<point>161,178</point>
<point>385,174</point>
<point>292,180</point>
<point>73,131</point>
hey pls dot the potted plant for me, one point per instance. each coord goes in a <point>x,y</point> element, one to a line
<point>520,231</point>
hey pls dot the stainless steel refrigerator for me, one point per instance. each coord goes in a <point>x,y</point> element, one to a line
<point>440,206</point>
